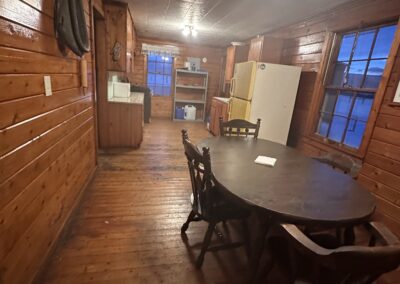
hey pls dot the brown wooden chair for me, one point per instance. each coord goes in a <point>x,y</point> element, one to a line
<point>341,162</point>
<point>239,127</point>
<point>206,202</point>
<point>302,259</point>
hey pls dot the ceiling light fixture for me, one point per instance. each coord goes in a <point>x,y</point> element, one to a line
<point>186,31</point>
<point>189,30</point>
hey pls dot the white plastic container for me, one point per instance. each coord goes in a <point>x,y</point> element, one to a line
<point>190,112</point>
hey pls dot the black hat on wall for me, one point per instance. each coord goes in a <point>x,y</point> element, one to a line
<point>70,26</point>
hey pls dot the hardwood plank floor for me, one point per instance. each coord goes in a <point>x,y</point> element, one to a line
<point>128,227</point>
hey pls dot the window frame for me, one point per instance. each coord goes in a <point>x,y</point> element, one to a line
<point>330,52</point>
<point>171,75</point>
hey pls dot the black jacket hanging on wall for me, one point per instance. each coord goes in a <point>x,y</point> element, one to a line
<point>70,26</point>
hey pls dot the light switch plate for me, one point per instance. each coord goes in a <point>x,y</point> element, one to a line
<point>47,86</point>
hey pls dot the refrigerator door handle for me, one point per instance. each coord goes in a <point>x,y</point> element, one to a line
<point>232,88</point>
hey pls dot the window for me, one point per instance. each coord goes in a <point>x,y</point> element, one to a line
<point>159,74</point>
<point>353,77</point>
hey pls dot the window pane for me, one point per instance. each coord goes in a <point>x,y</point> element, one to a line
<point>151,87</point>
<point>151,79</point>
<point>159,79</point>
<point>339,73</point>
<point>151,67</point>
<point>167,80</point>
<point>384,42</point>
<point>343,104</point>
<point>329,101</point>
<point>354,133</point>
<point>374,73</point>
<point>167,68</point>
<point>356,73</point>
<point>323,124</point>
<point>151,57</point>
<point>363,46</point>
<point>362,107</point>
<point>159,68</point>
<point>158,91</point>
<point>346,47</point>
<point>159,58</point>
<point>337,128</point>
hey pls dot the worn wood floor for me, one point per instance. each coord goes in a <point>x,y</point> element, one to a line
<point>128,227</point>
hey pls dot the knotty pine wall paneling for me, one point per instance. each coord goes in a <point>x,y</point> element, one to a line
<point>162,106</point>
<point>381,169</point>
<point>47,144</point>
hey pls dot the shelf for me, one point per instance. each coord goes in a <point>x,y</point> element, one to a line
<point>191,87</point>
<point>190,101</point>
<point>186,120</point>
<point>191,72</point>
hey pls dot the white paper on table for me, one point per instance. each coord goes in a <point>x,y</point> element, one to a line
<point>267,161</point>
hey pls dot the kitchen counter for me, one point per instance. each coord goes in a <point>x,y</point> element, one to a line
<point>222,99</point>
<point>134,98</point>
<point>125,121</point>
<point>219,108</point>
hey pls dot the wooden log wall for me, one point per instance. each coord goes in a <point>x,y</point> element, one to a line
<point>162,106</point>
<point>381,169</point>
<point>306,46</point>
<point>47,144</point>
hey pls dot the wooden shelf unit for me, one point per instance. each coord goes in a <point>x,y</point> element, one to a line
<point>190,88</point>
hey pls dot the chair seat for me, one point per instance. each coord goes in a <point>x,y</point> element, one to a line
<point>223,209</point>
<point>325,240</point>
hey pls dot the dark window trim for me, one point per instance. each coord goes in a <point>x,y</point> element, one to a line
<point>327,73</point>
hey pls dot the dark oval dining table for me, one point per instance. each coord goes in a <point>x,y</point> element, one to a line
<point>298,189</point>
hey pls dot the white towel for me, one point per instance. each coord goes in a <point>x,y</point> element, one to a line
<point>267,161</point>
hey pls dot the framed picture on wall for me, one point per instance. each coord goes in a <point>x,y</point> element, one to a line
<point>397,95</point>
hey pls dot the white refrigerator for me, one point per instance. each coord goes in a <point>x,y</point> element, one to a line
<point>267,91</point>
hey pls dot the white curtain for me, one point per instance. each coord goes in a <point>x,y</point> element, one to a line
<point>163,50</point>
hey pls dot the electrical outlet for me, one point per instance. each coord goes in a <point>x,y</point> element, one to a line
<point>47,86</point>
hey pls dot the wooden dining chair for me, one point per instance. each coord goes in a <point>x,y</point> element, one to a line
<point>341,162</point>
<point>303,259</point>
<point>207,203</point>
<point>239,127</point>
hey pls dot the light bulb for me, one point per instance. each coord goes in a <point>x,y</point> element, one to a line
<point>186,31</point>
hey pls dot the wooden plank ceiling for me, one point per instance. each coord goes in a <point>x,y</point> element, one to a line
<point>220,22</point>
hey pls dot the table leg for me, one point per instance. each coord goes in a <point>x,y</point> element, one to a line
<point>262,225</point>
